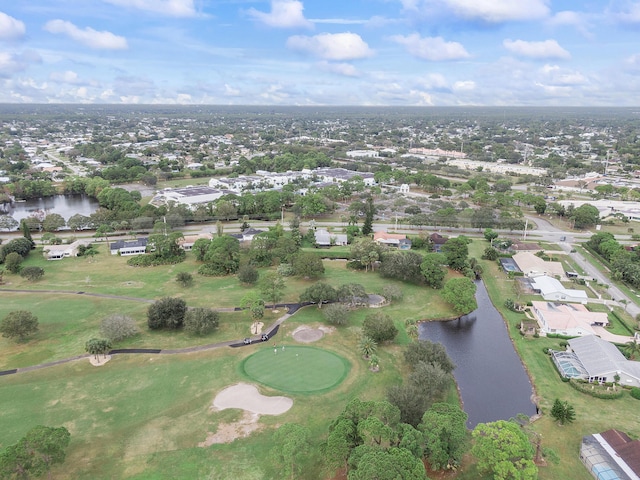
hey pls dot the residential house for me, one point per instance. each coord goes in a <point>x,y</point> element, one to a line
<point>533,266</point>
<point>58,252</point>
<point>186,242</point>
<point>437,241</point>
<point>551,289</point>
<point>397,240</point>
<point>567,318</point>
<point>327,239</point>
<point>129,247</point>
<point>596,360</point>
<point>611,455</point>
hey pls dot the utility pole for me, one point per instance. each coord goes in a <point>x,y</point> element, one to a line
<point>524,235</point>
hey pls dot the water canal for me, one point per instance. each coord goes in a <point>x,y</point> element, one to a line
<point>492,381</point>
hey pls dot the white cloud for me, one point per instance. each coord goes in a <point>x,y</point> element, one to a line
<point>10,28</point>
<point>434,49</point>
<point>284,14</point>
<point>543,49</point>
<point>341,68</point>
<point>172,8</point>
<point>11,63</point>
<point>491,11</point>
<point>553,75</point>
<point>633,62</point>
<point>631,14</point>
<point>229,91</point>
<point>576,20</point>
<point>71,78</point>
<point>91,38</point>
<point>464,86</point>
<point>331,46</point>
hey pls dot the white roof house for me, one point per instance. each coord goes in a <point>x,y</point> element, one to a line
<point>58,252</point>
<point>533,266</point>
<point>189,196</point>
<point>552,289</point>
<point>567,318</point>
<point>324,238</point>
<point>594,359</point>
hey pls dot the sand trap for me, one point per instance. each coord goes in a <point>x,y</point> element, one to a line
<point>228,432</point>
<point>248,398</point>
<point>306,334</point>
<point>256,328</point>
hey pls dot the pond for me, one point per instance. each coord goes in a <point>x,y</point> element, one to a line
<point>65,205</point>
<point>492,381</point>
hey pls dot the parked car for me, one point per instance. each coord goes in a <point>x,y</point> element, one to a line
<point>264,337</point>
<point>247,341</point>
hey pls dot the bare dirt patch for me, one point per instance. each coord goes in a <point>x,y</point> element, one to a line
<point>228,432</point>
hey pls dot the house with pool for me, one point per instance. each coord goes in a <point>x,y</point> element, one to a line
<point>595,360</point>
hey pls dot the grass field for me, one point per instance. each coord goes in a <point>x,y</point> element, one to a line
<point>296,369</point>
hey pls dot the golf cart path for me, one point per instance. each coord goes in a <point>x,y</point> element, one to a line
<point>271,331</point>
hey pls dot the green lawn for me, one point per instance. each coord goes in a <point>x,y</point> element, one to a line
<point>295,369</point>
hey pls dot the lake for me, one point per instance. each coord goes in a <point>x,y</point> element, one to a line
<point>65,205</point>
<point>492,381</point>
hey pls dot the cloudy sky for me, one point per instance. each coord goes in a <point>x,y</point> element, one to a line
<point>321,52</point>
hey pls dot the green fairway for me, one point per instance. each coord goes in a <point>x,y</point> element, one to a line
<point>296,369</point>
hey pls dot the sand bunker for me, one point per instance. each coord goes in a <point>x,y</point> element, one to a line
<point>306,334</point>
<point>254,404</point>
<point>248,398</point>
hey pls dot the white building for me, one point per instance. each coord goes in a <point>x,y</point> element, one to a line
<point>58,252</point>
<point>552,290</point>
<point>533,266</point>
<point>189,196</point>
<point>570,319</point>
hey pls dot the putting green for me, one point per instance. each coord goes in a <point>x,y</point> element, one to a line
<point>296,369</point>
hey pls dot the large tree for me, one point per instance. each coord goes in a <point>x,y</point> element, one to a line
<point>404,266</point>
<point>272,287</point>
<point>432,271</point>
<point>444,427</point>
<point>319,293</point>
<point>35,453</point>
<point>19,324</point>
<point>460,294</point>
<point>223,256</point>
<point>503,449</point>
<point>307,265</point>
<point>291,442</point>
<point>53,222</point>
<point>456,251</point>
<point>166,313</point>
<point>585,216</point>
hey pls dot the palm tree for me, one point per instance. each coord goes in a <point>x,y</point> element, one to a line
<point>367,346</point>
<point>633,349</point>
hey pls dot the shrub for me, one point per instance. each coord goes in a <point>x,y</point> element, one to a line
<point>336,314</point>
<point>392,292</point>
<point>12,262</point>
<point>32,273</point>
<point>166,313</point>
<point>185,279</point>
<point>201,321</point>
<point>19,324</point>
<point>117,327</point>
<point>379,327</point>
<point>248,274</point>
<point>285,270</point>
<point>635,393</point>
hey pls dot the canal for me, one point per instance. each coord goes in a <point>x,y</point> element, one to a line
<point>492,381</point>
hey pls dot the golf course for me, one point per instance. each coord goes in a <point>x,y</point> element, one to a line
<point>154,416</point>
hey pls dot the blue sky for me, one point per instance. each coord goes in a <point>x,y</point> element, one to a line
<point>321,52</point>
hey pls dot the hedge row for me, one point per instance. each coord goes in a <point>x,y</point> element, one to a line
<point>590,389</point>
